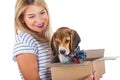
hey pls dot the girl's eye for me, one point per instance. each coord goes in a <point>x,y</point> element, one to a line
<point>31,16</point>
<point>42,12</point>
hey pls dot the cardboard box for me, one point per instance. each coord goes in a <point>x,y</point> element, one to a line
<point>94,62</point>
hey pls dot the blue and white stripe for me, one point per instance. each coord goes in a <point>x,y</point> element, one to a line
<point>25,43</point>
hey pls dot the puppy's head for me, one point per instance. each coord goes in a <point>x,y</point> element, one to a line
<point>64,41</point>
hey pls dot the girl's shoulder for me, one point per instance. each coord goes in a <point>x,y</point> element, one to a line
<point>24,37</point>
<point>28,39</point>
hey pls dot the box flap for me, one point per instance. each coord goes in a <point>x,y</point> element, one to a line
<point>94,53</point>
<point>108,58</point>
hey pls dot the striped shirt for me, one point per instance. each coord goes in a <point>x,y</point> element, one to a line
<point>25,43</point>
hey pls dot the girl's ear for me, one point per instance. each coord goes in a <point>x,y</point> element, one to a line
<point>21,19</point>
<point>75,40</point>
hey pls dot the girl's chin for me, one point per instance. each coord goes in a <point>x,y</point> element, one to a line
<point>41,30</point>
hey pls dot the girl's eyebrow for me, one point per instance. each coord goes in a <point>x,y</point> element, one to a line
<point>42,10</point>
<point>29,14</point>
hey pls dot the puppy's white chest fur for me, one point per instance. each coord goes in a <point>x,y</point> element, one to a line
<point>63,58</point>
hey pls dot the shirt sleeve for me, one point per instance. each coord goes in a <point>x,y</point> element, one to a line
<point>21,48</point>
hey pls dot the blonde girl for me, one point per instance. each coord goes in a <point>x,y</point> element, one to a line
<point>31,50</point>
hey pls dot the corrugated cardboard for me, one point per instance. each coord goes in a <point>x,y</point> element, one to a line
<point>77,72</point>
<point>94,62</point>
<point>71,72</point>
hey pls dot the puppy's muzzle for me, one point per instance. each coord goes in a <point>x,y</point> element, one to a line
<point>62,52</point>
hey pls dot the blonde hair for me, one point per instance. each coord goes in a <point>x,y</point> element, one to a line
<point>20,26</point>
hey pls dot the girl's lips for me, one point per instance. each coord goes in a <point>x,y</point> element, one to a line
<point>40,25</point>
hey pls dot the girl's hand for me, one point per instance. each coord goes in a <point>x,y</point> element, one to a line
<point>93,77</point>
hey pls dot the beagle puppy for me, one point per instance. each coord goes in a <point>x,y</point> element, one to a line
<point>64,42</point>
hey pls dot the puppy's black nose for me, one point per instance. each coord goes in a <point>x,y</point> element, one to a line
<point>62,51</point>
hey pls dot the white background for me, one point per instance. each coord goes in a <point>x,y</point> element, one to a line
<point>96,21</point>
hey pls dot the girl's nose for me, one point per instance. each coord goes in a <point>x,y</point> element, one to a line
<point>39,19</point>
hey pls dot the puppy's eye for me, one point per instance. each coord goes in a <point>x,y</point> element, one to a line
<point>67,41</point>
<point>57,42</point>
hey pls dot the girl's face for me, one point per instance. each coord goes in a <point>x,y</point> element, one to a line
<point>36,18</point>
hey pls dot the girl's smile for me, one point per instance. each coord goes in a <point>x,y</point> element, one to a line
<point>40,25</point>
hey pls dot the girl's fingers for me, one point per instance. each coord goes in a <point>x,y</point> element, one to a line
<point>89,77</point>
<point>95,76</point>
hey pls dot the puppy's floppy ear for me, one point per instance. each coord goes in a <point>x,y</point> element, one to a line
<point>54,49</point>
<point>53,46</point>
<point>75,40</point>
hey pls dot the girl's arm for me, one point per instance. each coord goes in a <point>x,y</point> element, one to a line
<point>28,66</point>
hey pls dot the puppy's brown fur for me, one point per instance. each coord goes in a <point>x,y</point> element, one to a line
<point>65,37</point>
